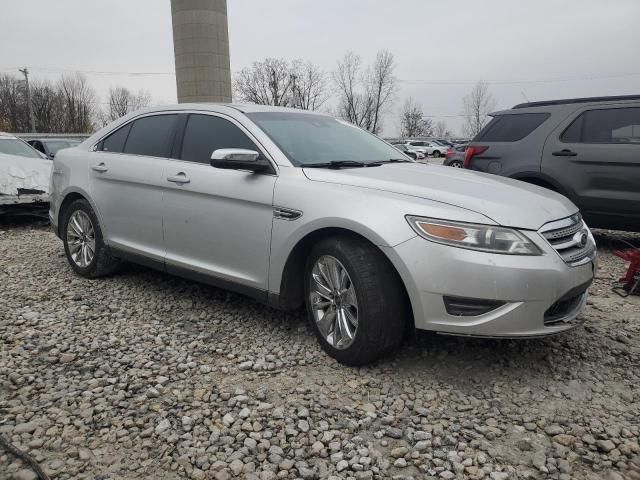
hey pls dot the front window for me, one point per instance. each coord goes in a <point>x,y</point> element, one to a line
<point>13,146</point>
<point>310,139</point>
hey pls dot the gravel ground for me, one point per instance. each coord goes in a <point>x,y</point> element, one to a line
<point>142,375</point>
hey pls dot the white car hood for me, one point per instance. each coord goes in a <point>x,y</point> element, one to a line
<point>506,201</point>
<point>24,173</point>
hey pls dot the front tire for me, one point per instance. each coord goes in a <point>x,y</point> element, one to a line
<point>354,299</point>
<point>86,252</point>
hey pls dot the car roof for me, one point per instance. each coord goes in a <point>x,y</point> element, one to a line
<point>224,107</point>
<point>566,103</point>
<point>7,135</point>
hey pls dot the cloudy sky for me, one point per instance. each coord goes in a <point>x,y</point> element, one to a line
<point>534,49</point>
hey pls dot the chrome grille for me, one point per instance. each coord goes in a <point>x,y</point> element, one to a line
<point>570,237</point>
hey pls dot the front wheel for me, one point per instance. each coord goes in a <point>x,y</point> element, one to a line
<point>83,243</point>
<point>354,299</point>
<point>436,154</point>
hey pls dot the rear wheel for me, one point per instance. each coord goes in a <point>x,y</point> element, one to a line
<point>436,153</point>
<point>83,243</point>
<point>456,164</point>
<point>354,299</point>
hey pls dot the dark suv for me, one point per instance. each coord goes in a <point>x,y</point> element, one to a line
<point>588,149</point>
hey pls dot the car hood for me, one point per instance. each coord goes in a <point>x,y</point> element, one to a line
<point>506,201</point>
<point>18,172</point>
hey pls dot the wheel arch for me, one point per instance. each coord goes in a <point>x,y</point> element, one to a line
<point>69,197</point>
<point>291,294</point>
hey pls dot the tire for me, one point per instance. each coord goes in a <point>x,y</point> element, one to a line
<point>456,164</point>
<point>436,153</point>
<point>102,262</point>
<point>382,309</point>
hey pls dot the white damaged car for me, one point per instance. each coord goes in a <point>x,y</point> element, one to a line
<point>24,175</point>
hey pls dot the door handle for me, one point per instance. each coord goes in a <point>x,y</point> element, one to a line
<point>564,153</point>
<point>101,168</point>
<point>180,178</point>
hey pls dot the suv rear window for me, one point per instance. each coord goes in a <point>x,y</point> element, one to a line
<point>511,128</point>
<point>611,125</point>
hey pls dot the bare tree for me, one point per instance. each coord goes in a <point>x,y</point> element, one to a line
<point>477,106</point>
<point>413,122</point>
<point>47,106</point>
<point>351,104</point>
<point>309,89</point>
<point>13,108</point>
<point>266,83</point>
<point>381,87</point>
<point>365,96</point>
<point>122,101</point>
<point>440,130</point>
<point>78,100</point>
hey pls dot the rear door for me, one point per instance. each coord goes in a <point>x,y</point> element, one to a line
<point>125,173</point>
<point>595,154</point>
<point>217,223</point>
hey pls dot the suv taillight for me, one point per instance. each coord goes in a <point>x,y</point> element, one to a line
<point>471,152</point>
<point>449,153</point>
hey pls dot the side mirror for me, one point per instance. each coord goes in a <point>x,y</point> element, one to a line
<point>239,159</point>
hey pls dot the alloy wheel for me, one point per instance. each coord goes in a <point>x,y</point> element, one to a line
<point>333,302</point>
<point>81,239</point>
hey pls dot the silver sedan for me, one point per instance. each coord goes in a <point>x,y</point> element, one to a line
<point>297,208</point>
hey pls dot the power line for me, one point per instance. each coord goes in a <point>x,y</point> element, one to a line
<point>406,80</point>
<point>516,81</point>
<point>90,72</point>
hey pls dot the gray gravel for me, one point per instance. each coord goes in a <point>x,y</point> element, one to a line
<point>142,375</point>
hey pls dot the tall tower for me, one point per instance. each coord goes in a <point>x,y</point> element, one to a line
<point>201,48</point>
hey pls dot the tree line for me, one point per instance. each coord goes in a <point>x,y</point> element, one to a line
<point>69,105</point>
<point>361,94</point>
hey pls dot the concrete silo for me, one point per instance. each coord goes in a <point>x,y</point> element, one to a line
<point>201,47</point>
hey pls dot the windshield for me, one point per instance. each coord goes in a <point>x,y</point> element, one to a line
<point>312,139</point>
<point>55,145</point>
<point>13,146</point>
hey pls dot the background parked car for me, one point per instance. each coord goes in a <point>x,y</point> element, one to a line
<point>587,149</point>
<point>428,147</point>
<point>415,154</point>
<point>50,146</point>
<point>455,156</point>
<point>24,176</point>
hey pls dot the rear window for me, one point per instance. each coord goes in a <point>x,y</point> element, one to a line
<point>151,136</point>
<point>115,141</point>
<point>611,125</point>
<point>511,128</point>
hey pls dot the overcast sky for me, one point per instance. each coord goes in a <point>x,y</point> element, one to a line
<point>538,49</point>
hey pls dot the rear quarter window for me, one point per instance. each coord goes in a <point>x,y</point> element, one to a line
<point>511,128</point>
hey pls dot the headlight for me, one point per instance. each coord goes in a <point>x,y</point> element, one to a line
<point>485,238</point>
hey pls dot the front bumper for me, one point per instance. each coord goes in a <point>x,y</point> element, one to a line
<point>542,295</point>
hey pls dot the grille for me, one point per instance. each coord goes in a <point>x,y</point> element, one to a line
<point>571,239</point>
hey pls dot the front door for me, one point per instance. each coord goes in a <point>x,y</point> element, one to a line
<point>217,223</point>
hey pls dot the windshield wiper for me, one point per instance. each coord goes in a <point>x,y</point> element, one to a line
<point>341,164</point>
<point>398,160</point>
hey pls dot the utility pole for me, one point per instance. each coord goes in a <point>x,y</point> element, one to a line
<point>25,72</point>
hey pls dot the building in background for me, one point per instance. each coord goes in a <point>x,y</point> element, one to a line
<point>201,47</point>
